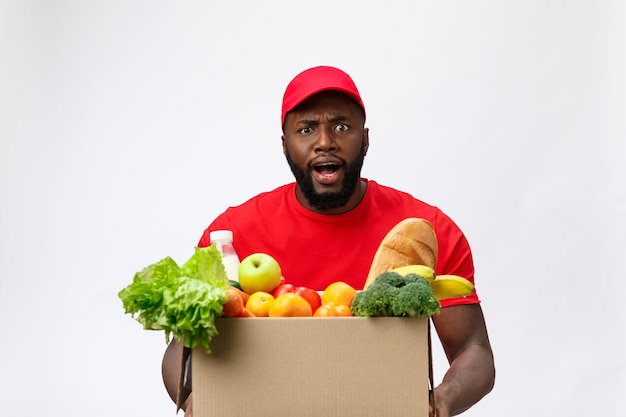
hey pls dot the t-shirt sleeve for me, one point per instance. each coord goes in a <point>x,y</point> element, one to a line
<point>455,257</point>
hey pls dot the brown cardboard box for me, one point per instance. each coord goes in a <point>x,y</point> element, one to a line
<point>339,366</point>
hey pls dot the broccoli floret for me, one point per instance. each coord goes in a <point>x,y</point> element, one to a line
<point>389,278</point>
<point>374,302</point>
<point>392,294</point>
<point>416,299</point>
<point>410,278</point>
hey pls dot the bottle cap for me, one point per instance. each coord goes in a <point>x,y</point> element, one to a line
<point>221,235</point>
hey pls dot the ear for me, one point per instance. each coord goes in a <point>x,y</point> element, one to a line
<point>366,139</point>
<point>282,138</point>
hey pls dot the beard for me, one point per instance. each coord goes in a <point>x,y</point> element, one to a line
<point>329,200</point>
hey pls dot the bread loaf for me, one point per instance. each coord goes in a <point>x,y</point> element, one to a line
<point>410,242</point>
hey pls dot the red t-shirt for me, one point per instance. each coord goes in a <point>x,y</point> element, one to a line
<point>315,250</point>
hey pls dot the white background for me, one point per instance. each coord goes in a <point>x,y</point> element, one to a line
<point>127,126</point>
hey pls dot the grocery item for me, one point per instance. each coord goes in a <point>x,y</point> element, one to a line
<point>411,241</point>
<point>392,294</point>
<point>223,241</point>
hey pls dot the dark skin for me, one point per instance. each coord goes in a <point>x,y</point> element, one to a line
<point>323,137</point>
<point>170,369</point>
<point>471,374</point>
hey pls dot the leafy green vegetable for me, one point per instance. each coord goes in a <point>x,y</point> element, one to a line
<point>182,301</point>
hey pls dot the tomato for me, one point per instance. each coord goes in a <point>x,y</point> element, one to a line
<point>312,296</point>
<point>283,288</point>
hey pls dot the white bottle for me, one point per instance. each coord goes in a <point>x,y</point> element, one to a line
<point>223,240</point>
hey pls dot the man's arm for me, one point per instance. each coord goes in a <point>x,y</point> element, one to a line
<point>463,334</point>
<point>171,369</point>
<point>471,375</point>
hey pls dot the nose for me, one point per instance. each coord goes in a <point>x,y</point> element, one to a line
<point>325,141</point>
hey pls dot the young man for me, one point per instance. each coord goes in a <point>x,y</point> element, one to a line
<point>327,225</point>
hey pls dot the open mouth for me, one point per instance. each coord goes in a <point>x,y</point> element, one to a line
<point>327,173</point>
<point>326,169</point>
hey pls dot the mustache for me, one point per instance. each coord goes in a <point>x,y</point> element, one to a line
<point>324,201</point>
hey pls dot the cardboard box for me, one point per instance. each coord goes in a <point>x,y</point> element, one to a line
<point>339,366</point>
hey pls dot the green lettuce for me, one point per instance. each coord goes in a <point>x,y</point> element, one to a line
<point>181,301</point>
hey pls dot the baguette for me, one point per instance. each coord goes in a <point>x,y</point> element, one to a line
<point>410,242</point>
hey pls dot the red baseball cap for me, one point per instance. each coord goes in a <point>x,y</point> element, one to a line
<point>315,80</point>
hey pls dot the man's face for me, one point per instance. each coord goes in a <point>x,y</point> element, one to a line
<point>325,143</point>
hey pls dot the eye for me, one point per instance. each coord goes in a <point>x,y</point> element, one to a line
<point>341,127</point>
<point>305,130</point>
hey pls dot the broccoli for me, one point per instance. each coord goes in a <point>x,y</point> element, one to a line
<point>375,301</point>
<point>392,294</point>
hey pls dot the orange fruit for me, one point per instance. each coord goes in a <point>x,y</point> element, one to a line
<point>259,303</point>
<point>290,304</point>
<point>343,310</point>
<point>339,293</point>
<point>331,310</point>
<point>325,310</point>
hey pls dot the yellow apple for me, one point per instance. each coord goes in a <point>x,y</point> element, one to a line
<point>259,272</point>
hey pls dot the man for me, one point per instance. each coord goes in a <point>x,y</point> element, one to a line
<point>327,225</point>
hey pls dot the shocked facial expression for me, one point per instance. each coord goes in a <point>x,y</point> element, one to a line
<point>325,142</point>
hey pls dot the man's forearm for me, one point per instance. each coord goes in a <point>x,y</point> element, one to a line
<point>470,377</point>
<point>171,367</point>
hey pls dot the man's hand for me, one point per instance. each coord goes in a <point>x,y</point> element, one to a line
<point>188,406</point>
<point>471,375</point>
<point>442,410</point>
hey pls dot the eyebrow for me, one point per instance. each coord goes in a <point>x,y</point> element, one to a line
<point>335,119</point>
<point>339,118</point>
<point>307,122</point>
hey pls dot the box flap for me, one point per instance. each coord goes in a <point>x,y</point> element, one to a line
<point>431,376</point>
<point>184,384</point>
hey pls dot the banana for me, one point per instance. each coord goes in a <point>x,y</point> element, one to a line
<point>421,270</point>
<point>444,286</point>
<point>451,286</point>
